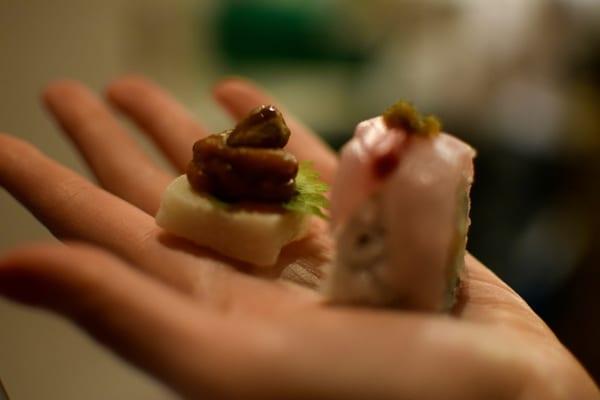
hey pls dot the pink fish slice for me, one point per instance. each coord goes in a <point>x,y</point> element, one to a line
<point>400,216</point>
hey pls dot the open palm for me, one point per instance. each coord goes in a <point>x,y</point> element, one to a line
<point>209,327</point>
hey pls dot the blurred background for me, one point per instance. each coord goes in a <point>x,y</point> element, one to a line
<point>519,80</point>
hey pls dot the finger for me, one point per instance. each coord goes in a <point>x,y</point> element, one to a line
<point>73,208</point>
<point>142,320</point>
<point>159,115</point>
<point>115,158</point>
<point>239,96</point>
<point>404,350</point>
<point>69,205</point>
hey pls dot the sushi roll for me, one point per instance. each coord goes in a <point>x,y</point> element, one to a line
<point>243,195</point>
<point>400,213</point>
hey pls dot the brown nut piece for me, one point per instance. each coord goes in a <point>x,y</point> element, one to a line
<point>246,171</point>
<point>253,163</point>
<point>264,127</point>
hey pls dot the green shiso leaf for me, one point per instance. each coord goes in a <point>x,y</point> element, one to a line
<point>310,197</point>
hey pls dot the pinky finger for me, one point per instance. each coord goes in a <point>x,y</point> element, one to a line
<point>239,96</point>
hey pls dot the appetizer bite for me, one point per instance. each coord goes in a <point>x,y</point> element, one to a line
<point>400,213</point>
<point>243,195</point>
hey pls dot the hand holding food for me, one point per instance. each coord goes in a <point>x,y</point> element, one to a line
<point>400,205</point>
<point>205,329</point>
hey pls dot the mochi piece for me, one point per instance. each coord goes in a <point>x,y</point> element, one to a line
<point>252,236</point>
<point>400,238</point>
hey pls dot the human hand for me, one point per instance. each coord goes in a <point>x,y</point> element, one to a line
<point>193,320</point>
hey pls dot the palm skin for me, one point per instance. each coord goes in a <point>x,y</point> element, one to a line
<point>210,328</point>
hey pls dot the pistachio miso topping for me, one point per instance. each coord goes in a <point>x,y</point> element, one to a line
<point>247,163</point>
<point>404,115</point>
<point>264,127</point>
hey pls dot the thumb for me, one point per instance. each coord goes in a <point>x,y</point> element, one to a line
<point>141,319</point>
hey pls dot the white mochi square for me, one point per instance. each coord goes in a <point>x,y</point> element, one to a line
<point>255,237</point>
